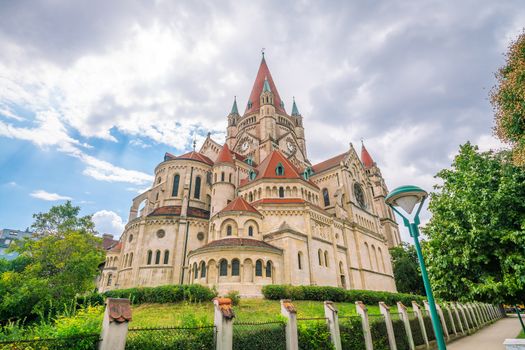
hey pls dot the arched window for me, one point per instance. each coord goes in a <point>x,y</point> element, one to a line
<point>214,178</point>
<point>223,268</point>
<point>269,269</point>
<point>166,256</point>
<point>258,268</point>
<point>230,178</point>
<point>130,259</point>
<point>235,267</point>
<point>300,260</point>
<point>279,170</point>
<point>150,254</point>
<point>341,269</point>
<point>110,279</point>
<point>203,269</point>
<point>197,193</point>
<point>320,256</point>
<point>375,257</point>
<point>125,260</point>
<point>157,257</point>
<point>326,197</point>
<point>250,231</point>
<point>250,197</point>
<point>281,192</point>
<point>382,260</point>
<point>229,230</point>
<point>222,176</point>
<point>175,191</point>
<point>326,258</point>
<point>195,271</point>
<point>368,256</point>
<point>252,175</point>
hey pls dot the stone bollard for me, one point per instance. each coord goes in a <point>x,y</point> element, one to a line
<point>330,312</point>
<point>441,317</point>
<point>385,311</point>
<point>419,314</point>
<point>223,321</point>
<point>363,312</point>
<point>288,310</point>
<point>454,308</point>
<point>115,324</point>
<point>404,316</point>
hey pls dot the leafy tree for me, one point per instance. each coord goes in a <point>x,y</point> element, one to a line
<point>476,246</point>
<point>53,267</point>
<point>508,100</point>
<point>60,219</point>
<point>406,269</point>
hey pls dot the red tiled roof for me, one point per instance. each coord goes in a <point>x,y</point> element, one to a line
<point>197,157</point>
<point>116,248</point>
<point>239,204</point>
<point>365,157</point>
<point>238,242</point>
<point>263,73</point>
<point>329,163</point>
<point>266,170</point>
<point>279,201</point>
<point>225,155</point>
<point>108,241</point>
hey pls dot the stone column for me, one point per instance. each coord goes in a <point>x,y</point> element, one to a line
<point>385,311</point>
<point>223,320</point>
<point>330,312</point>
<point>441,317</point>
<point>115,324</point>
<point>455,309</point>
<point>404,315</point>
<point>363,312</point>
<point>419,315</point>
<point>288,310</point>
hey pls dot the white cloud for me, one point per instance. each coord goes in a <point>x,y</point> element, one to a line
<point>107,221</point>
<point>47,196</point>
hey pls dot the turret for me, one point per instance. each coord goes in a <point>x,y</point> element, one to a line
<point>233,117</point>
<point>224,180</point>
<point>298,126</point>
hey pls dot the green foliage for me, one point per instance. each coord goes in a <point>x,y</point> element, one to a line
<point>379,333</point>
<point>276,292</point>
<point>427,320</point>
<point>351,331</point>
<point>164,294</point>
<point>234,296</point>
<point>400,334</point>
<point>476,246</point>
<point>508,100</point>
<point>417,333</point>
<point>313,335</point>
<point>18,264</point>
<point>254,336</point>
<point>406,269</point>
<point>60,219</point>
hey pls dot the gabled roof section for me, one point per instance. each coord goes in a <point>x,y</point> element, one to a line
<point>239,204</point>
<point>197,157</point>
<point>329,163</point>
<point>262,75</point>
<point>225,155</point>
<point>365,157</point>
<point>267,168</point>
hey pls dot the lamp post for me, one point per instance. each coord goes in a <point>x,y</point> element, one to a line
<point>407,197</point>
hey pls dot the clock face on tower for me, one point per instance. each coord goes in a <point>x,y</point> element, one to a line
<point>290,146</point>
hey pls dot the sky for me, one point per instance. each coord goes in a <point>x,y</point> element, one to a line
<point>93,93</point>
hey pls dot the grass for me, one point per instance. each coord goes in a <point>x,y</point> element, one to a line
<point>521,335</point>
<point>249,310</point>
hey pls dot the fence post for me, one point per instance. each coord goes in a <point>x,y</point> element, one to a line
<point>441,317</point>
<point>404,316</point>
<point>478,314</point>
<point>363,312</point>
<point>288,310</point>
<point>455,308</point>
<point>330,312</point>
<point>466,317</point>
<point>385,311</point>
<point>223,321</point>
<point>474,316</point>
<point>449,312</point>
<point>419,315</point>
<point>115,324</point>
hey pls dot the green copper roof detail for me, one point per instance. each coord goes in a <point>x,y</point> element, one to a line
<point>295,110</point>
<point>266,86</point>
<point>234,107</point>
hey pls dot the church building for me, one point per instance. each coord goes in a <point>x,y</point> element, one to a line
<point>255,211</point>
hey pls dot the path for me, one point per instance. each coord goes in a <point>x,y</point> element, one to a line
<point>490,337</point>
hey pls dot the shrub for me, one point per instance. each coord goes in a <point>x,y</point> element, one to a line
<point>234,296</point>
<point>428,327</point>
<point>417,333</point>
<point>379,334</point>
<point>259,336</point>
<point>321,293</point>
<point>314,336</point>
<point>164,294</point>
<point>91,299</point>
<point>351,331</point>
<point>400,334</point>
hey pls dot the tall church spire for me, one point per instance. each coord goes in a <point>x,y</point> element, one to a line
<point>234,106</point>
<point>366,159</point>
<point>295,110</point>
<point>263,80</point>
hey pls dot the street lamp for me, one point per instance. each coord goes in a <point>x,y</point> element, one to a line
<point>406,198</point>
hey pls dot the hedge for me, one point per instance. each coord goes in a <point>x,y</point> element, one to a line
<point>313,335</point>
<point>162,294</point>
<point>351,331</point>
<point>171,339</point>
<point>429,328</point>
<point>417,333</point>
<point>335,294</point>
<point>379,333</point>
<point>259,336</point>
<point>400,334</point>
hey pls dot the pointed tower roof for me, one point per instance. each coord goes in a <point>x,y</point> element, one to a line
<point>225,155</point>
<point>266,86</point>
<point>264,77</point>
<point>295,110</point>
<point>365,157</point>
<point>234,106</point>
<point>267,168</point>
<point>239,204</point>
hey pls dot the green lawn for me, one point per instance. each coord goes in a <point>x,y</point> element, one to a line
<point>249,310</point>
<point>521,335</point>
